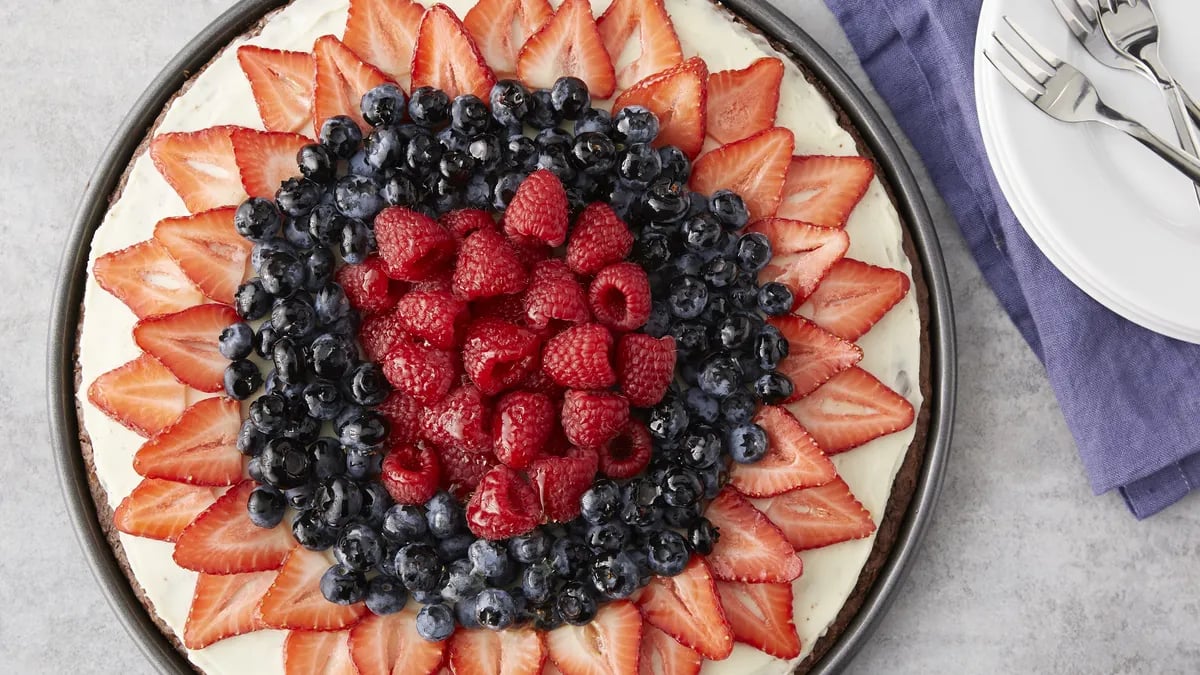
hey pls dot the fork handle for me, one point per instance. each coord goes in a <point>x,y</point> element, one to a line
<point>1189,165</point>
<point>1192,109</point>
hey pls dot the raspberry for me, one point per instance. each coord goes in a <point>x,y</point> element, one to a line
<point>579,357</point>
<point>411,473</point>
<point>538,209</point>
<point>540,382</point>
<point>510,308</point>
<point>554,293</point>
<point>403,415</point>
<point>521,425</point>
<point>436,316</point>
<point>645,367</point>
<point>626,455</point>
<point>465,221</point>
<point>498,354</point>
<point>487,266</point>
<point>530,251</point>
<point>421,371</point>
<point>560,482</point>
<point>379,333</point>
<point>600,238</point>
<point>461,419</point>
<point>504,506</point>
<point>620,296</point>
<point>461,470</point>
<point>412,245</point>
<point>368,287</point>
<point>592,418</point>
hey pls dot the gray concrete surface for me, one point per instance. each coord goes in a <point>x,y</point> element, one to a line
<point>1023,569</point>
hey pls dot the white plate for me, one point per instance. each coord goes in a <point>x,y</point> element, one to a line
<point>1117,221</point>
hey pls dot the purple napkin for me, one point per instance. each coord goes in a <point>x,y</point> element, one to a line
<point>1130,397</point>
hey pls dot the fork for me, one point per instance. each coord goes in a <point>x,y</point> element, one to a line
<point>1058,89</point>
<point>1083,18</point>
<point>1132,30</point>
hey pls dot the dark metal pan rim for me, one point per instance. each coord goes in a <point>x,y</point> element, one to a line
<point>759,14</point>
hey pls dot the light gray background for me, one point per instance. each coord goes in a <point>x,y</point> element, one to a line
<point>1023,569</point>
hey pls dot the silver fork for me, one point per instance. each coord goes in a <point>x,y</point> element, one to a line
<point>1132,29</point>
<point>1062,92</point>
<point>1083,18</point>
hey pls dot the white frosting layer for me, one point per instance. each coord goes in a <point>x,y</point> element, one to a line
<point>221,95</point>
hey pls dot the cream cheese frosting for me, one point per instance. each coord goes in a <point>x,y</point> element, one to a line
<point>221,95</point>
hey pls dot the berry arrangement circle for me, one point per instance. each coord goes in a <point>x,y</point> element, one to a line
<point>507,359</point>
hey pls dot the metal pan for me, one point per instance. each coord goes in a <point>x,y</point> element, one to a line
<point>757,13</point>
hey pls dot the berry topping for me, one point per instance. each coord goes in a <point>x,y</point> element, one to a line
<point>854,296</point>
<point>820,516</point>
<point>760,615</point>
<point>824,190</point>
<point>198,448</point>
<point>754,168</point>
<point>852,408</point>
<point>504,505</point>
<point>412,245</point>
<point>161,509</point>
<point>803,254</point>
<point>434,316</point>
<point>592,418</point>
<point>186,343</point>
<point>465,221</point>
<point>627,454</point>
<point>488,266</point>
<point>498,355</point>
<point>742,102</point>
<point>677,97</point>
<point>384,32</point>
<point>265,158</point>
<point>423,372</point>
<point>501,28</point>
<point>512,652</point>
<point>580,357</point>
<point>367,286</point>
<point>554,294</point>
<point>460,419</point>
<point>560,483</point>
<point>200,167</point>
<point>393,643</point>
<point>608,645</point>
<point>411,473</point>
<point>282,83</point>
<point>792,459</point>
<point>620,296</point>
<point>224,605</point>
<point>147,279</point>
<point>208,250</point>
<point>645,367</point>
<point>294,601</point>
<point>812,355</point>
<point>750,548</point>
<point>341,80</point>
<point>521,427</point>
<point>446,57</point>
<point>658,46</point>
<point>569,44</point>
<point>687,607</point>
<point>223,540</point>
<point>142,395</point>
<point>538,210</point>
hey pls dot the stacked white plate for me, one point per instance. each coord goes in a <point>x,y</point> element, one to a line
<point>1117,221</point>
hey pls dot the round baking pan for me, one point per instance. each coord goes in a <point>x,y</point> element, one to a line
<point>786,35</point>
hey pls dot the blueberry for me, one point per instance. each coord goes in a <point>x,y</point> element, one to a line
<point>429,107</point>
<point>729,209</point>
<point>665,200</point>
<point>682,516</point>
<point>568,556</point>
<point>593,120</point>
<point>376,502</point>
<point>556,160</point>
<point>302,428</point>
<point>537,582</point>
<point>435,622</point>
<point>667,553</point>
<point>593,153</point>
<point>357,166</point>
<point>269,413</point>
<point>542,114</point>
<point>404,523</point>
<point>490,558</point>
<point>383,105</point>
<point>676,166</point>
<point>422,154</point>
<point>668,420</point>
<point>638,507</point>
<point>638,165</point>
<point>659,323</point>
<point>530,547</point>
<point>601,502</point>
<point>284,462</point>
<point>282,273</point>
<point>545,617</point>
<point>691,337</point>
<point>773,387</point>
<point>419,567</point>
<point>316,163</point>
<point>747,443</point>
<point>464,612</point>
<point>342,585</point>
<point>701,406</point>
<point>301,497</point>
<point>737,408</point>
<point>720,273</point>
<point>266,506</point>
<point>570,97</point>
<point>478,194</point>
<point>576,604</point>
<point>634,124</point>
<point>288,358</point>
<point>297,196</point>
<point>250,440</point>
<point>610,536</point>
<point>367,385</point>
<point>702,536</point>
<point>774,298</point>
<point>701,448</point>
<point>242,378</point>
<point>770,347</point>
<point>753,251</point>
<point>470,115</point>
<point>385,595</point>
<point>368,430</point>
<point>339,500</point>
<point>331,357</point>
<point>455,546</point>
<point>520,153</point>
<point>293,317</point>
<point>653,250</point>
<point>615,575</point>
<point>257,219</point>
<point>687,297</point>
<point>456,166</point>
<point>312,533</point>
<point>325,224</point>
<point>341,135</point>
<point>355,242</point>
<point>251,301</point>
<point>357,196</point>
<point>510,102</point>
<point>720,375</point>
<point>400,190</point>
<point>328,458</point>
<point>444,515</point>
<point>428,597</point>
<point>701,233</point>
<point>359,548</point>
<point>681,487</point>
<point>494,609</point>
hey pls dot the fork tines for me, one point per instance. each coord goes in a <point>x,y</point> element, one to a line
<point>1038,63</point>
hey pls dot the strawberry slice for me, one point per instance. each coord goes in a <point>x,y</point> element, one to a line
<point>824,190</point>
<point>802,254</point>
<point>199,448</point>
<point>381,645</point>
<point>295,602</point>
<point>750,548</point>
<point>340,82</point>
<point>854,296</point>
<point>814,354</point>
<point>753,167</point>
<point>208,250</point>
<point>761,616</point>
<point>678,97</point>
<point>199,166</point>
<point>146,279</point>
<point>383,33</point>
<point>161,509</point>
<point>282,84</point>
<point>793,459</point>
<point>446,57</point>
<point>222,540</point>
<point>658,46</point>
<point>310,652</point>
<point>851,409</point>
<point>142,395</point>
<point>266,159</point>
<point>568,44</point>
<point>606,646</point>
<point>820,516</point>
<point>501,27</point>
<point>224,605</point>
<point>508,652</point>
<point>743,102</point>
<point>661,654</point>
<point>687,608</point>
<point>186,343</point>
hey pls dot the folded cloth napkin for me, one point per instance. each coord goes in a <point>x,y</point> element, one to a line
<point>1131,397</point>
